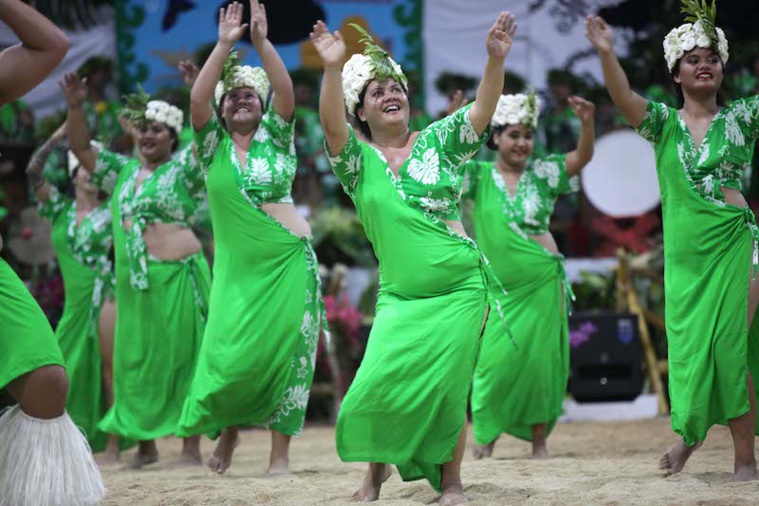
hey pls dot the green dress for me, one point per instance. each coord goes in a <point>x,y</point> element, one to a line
<point>82,252</point>
<point>27,341</point>
<point>708,248</point>
<point>516,387</point>
<point>257,360</point>
<point>161,304</point>
<point>407,404</point>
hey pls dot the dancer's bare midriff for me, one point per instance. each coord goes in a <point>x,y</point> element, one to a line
<point>169,241</point>
<point>289,217</point>
<point>547,241</point>
<point>456,226</point>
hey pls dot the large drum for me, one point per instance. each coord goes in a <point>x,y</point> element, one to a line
<point>620,180</point>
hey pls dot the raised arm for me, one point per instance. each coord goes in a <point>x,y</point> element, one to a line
<point>498,44</point>
<point>283,100</point>
<point>43,46</point>
<point>631,105</point>
<point>580,157</point>
<point>331,49</point>
<point>37,180</point>
<point>75,91</point>
<point>201,95</point>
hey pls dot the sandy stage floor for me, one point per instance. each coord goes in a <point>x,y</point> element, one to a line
<point>594,463</point>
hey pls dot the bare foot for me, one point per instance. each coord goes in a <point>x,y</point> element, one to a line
<point>674,460</point>
<point>221,459</point>
<point>278,467</point>
<point>540,452</point>
<point>376,475</point>
<point>746,473</point>
<point>483,451</point>
<point>452,495</point>
<point>143,458</point>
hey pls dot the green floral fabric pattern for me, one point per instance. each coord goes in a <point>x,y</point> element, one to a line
<point>171,194</point>
<point>271,163</point>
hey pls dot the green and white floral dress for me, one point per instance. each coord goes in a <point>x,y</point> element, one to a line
<point>257,361</point>
<point>516,387</point>
<point>88,281</point>
<point>709,248</point>
<point>407,404</point>
<point>161,304</point>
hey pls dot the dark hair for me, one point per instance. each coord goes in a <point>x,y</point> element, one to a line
<point>679,89</point>
<point>363,126</point>
<point>174,139</point>
<point>94,64</point>
<point>498,130</point>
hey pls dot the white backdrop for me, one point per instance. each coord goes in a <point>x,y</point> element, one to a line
<point>46,98</point>
<point>454,41</point>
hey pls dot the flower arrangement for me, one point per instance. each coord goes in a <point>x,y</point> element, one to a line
<point>519,109</point>
<point>139,109</point>
<point>375,63</point>
<point>699,30</point>
<point>234,76</point>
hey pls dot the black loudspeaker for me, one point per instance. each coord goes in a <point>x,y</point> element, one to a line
<point>605,357</point>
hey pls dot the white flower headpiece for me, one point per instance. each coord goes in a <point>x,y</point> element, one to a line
<point>360,69</point>
<point>699,31</point>
<point>519,109</point>
<point>236,76</point>
<point>139,108</point>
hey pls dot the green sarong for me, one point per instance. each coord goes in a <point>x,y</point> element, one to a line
<point>27,341</point>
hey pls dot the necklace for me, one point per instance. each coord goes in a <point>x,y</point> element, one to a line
<point>406,136</point>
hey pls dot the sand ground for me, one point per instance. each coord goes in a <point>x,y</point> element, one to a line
<point>593,463</point>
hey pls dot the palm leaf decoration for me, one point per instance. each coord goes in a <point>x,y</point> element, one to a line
<point>230,63</point>
<point>699,10</point>
<point>135,105</point>
<point>380,58</point>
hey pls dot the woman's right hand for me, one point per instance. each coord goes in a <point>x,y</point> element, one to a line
<point>231,28</point>
<point>599,34</point>
<point>74,89</point>
<point>330,46</point>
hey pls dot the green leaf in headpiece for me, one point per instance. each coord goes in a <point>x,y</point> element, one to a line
<point>380,58</point>
<point>699,10</point>
<point>230,63</point>
<point>135,105</point>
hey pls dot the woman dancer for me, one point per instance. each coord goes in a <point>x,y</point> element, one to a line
<point>162,278</point>
<point>407,405</point>
<point>82,237</point>
<point>44,459</point>
<point>519,389</point>
<point>709,234</point>
<point>263,326</point>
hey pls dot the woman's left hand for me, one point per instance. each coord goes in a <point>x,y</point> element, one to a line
<point>582,108</point>
<point>259,27</point>
<point>501,35</point>
<point>189,72</point>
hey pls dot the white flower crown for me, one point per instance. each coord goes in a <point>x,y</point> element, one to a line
<point>357,72</point>
<point>519,109</point>
<point>244,75</point>
<point>685,37</point>
<point>163,112</point>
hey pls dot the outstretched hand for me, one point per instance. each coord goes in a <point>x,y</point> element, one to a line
<point>74,88</point>
<point>259,26</point>
<point>457,102</point>
<point>599,34</point>
<point>330,46</point>
<point>231,28</point>
<point>189,72</point>
<point>583,109</point>
<point>501,36</point>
